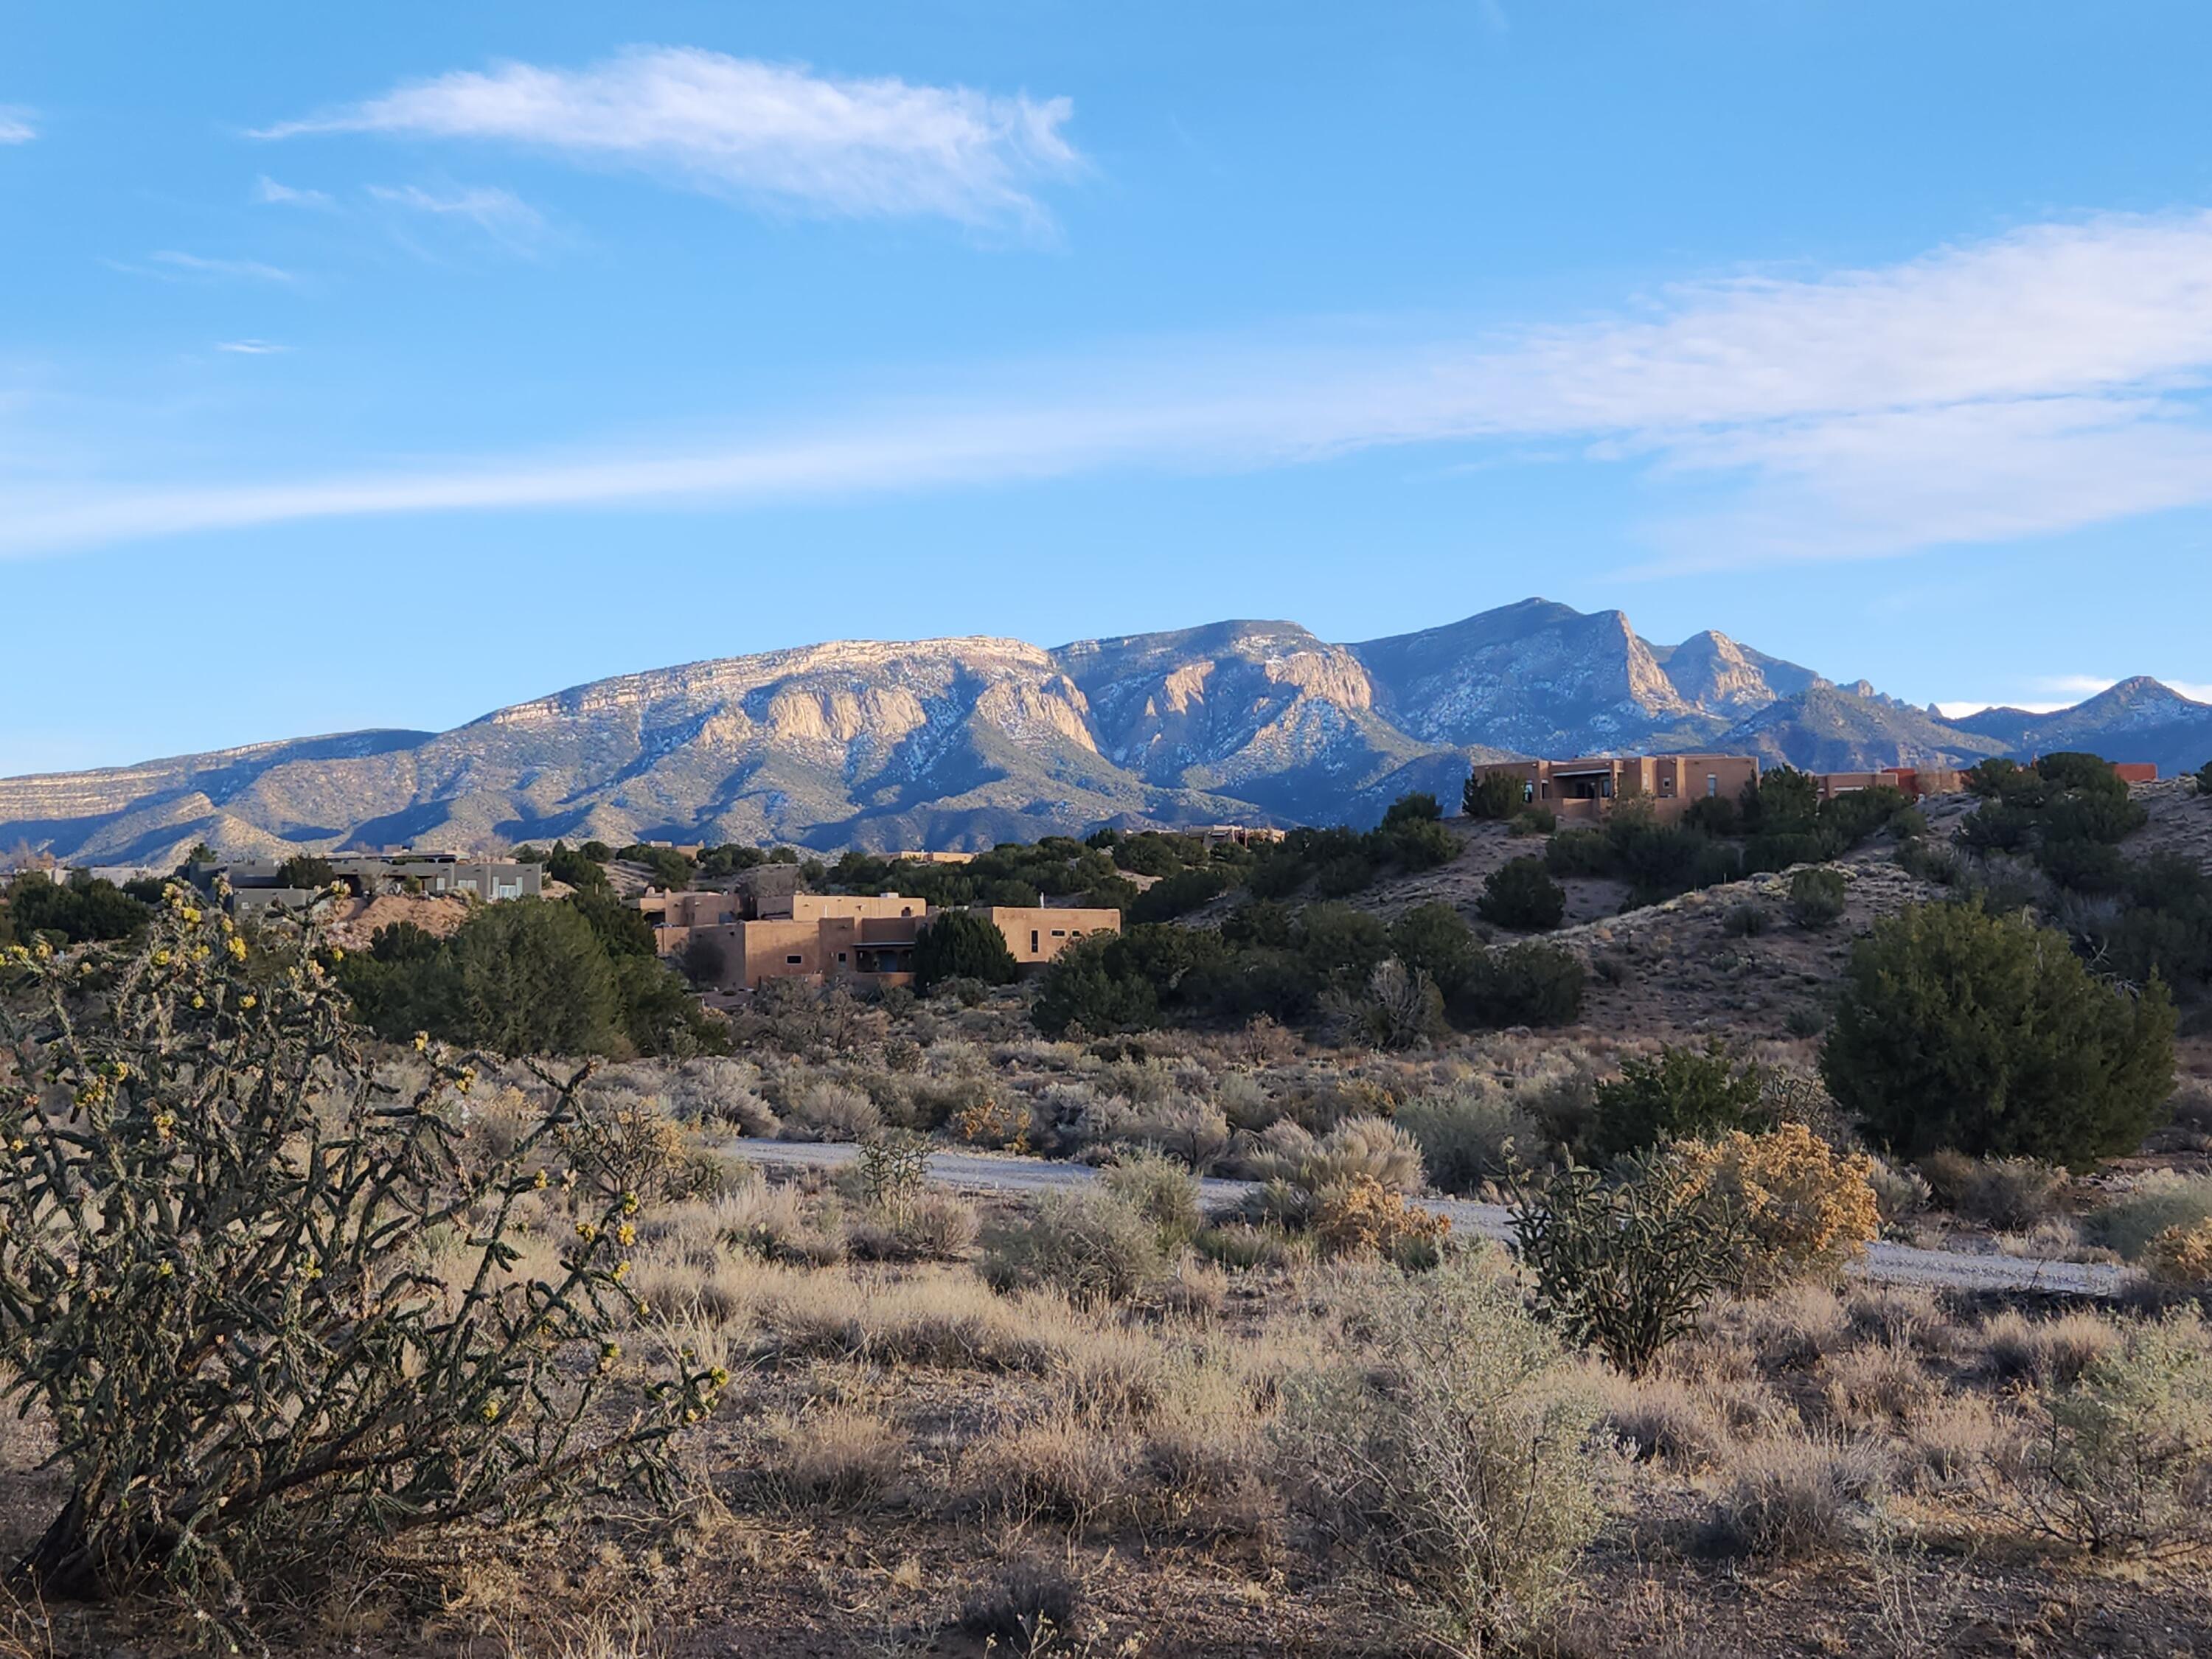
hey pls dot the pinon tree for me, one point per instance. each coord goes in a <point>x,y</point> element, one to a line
<point>1987,1033</point>
<point>963,945</point>
<point>272,1304</point>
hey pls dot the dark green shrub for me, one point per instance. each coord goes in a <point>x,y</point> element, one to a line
<point>1344,875</point>
<point>1419,844</point>
<point>1783,801</point>
<point>1520,894</point>
<point>1745,920</point>
<point>579,870</point>
<point>1682,1094</point>
<point>1930,860</point>
<point>963,945</point>
<point>1180,894</point>
<point>1534,821</point>
<point>1579,853</point>
<point>217,1233</point>
<point>2083,865</point>
<point>76,911</point>
<point>669,867</point>
<point>1527,984</point>
<point>304,870</point>
<point>529,977</point>
<point>1435,939</point>
<point>1766,853</point>
<point>2202,777</point>
<point>1987,1033</point>
<point>1091,985</point>
<point>1850,817</point>
<point>1714,815</point>
<point>1418,807</point>
<point>1816,897</point>
<point>1493,795</point>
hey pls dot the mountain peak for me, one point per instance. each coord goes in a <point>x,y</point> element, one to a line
<point>966,741</point>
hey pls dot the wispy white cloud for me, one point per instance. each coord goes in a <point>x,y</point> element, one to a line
<point>199,265</point>
<point>15,124</point>
<point>250,348</point>
<point>499,214</point>
<point>267,190</point>
<point>2009,388</point>
<point>772,132</point>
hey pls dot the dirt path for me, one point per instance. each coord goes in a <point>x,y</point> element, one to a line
<point>1885,1264</point>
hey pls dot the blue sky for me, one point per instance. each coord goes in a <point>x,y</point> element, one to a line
<point>382,366</point>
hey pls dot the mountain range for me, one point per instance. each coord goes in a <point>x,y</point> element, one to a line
<point>964,742</point>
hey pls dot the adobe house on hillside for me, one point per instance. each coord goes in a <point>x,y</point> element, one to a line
<point>255,888</point>
<point>1587,790</point>
<point>856,940</point>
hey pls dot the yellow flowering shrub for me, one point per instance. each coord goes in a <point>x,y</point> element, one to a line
<point>2182,1254</point>
<point>1805,1207</point>
<point>1365,1217</point>
<point>985,1122</point>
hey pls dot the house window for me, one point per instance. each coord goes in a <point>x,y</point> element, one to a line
<point>841,955</point>
<point>1033,946</point>
<point>1712,784</point>
<point>794,961</point>
<point>1060,932</point>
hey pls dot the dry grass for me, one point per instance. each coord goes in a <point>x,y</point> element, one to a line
<point>2016,1347</point>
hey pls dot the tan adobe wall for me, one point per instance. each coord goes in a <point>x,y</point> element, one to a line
<point>1587,789</point>
<point>819,907</point>
<point>1042,934</point>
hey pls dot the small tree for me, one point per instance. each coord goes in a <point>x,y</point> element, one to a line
<point>306,870</point>
<point>269,1304</point>
<point>963,945</point>
<point>1520,894</point>
<point>1959,1028</point>
<point>1683,1094</point>
<point>703,960</point>
<point>1783,801</point>
<point>1493,795</point>
<point>1091,986</point>
<point>1816,898</point>
<point>1526,984</point>
<point>1419,807</point>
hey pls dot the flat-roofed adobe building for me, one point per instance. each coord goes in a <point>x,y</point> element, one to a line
<point>856,940</point>
<point>1040,934</point>
<point>1587,790</point>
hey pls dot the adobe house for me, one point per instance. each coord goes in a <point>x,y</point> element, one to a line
<point>1585,791</point>
<point>1037,934</point>
<point>857,940</point>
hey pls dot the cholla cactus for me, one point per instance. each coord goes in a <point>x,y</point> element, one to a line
<point>228,1273</point>
<point>1623,1265</point>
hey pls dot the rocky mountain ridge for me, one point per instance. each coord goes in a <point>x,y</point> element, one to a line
<point>962,742</point>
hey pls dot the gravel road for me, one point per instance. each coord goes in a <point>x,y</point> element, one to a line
<point>1885,1264</point>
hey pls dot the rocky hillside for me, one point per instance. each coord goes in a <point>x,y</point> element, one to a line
<point>946,743</point>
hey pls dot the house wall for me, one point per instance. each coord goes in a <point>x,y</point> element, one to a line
<point>1587,790</point>
<point>1042,934</point>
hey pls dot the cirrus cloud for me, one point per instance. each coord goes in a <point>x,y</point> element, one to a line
<point>2018,386</point>
<point>770,132</point>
